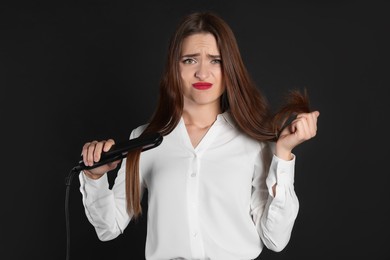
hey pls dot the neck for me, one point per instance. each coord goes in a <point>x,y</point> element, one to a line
<point>201,116</point>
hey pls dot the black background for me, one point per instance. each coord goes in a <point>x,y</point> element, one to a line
<point>74,71</point>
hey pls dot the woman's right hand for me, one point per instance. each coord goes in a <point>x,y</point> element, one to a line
<point>91,153</point>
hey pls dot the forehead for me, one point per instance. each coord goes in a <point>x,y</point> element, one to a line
<point>200,42</point>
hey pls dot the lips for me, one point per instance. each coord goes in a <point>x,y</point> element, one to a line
<point>202,85</point>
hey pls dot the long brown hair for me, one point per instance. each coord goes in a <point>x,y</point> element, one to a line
<point>245,102</point>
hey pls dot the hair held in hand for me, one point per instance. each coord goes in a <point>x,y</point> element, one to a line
<point>244,101</point>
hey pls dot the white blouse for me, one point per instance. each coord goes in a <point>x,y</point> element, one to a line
<point>210,202</point>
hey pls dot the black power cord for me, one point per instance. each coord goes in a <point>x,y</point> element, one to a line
<point>68,182</point>
<point>117,152</point>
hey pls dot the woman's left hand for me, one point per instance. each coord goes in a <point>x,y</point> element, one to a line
<point>303,128</point>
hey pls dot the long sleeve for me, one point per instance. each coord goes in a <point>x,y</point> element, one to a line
<point>274,216</point>
<point>106,208</point>
<point>213,201</point>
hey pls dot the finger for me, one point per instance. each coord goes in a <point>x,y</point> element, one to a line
<point>313,123</point>
<point>107,145</point>
<point>90,152</point>
<point>84,152</point>
<point>301,128</point>
<point>98,151</point>
<point>85,148</point>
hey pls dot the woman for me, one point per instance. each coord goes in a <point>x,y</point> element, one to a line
<point>220,186</point>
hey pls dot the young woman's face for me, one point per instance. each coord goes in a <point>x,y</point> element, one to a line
<point>201,70</point>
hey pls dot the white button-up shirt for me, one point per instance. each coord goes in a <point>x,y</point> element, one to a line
<point>214,201</point>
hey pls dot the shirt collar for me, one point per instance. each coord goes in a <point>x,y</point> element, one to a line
<point>224,117</point>
<point>227,117</point>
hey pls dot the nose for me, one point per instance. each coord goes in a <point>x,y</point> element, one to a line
<point>202,71</point>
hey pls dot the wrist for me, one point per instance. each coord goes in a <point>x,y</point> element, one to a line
<point>284,154</point>
<point>92,176</point>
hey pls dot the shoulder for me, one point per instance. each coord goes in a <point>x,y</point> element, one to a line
<point>262,146</point>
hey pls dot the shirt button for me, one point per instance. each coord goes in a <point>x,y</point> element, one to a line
<point>193,174</point>
<point>195,234</point>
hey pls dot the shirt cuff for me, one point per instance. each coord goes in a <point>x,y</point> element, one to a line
<point>280,172</point>
<point>93,185</point>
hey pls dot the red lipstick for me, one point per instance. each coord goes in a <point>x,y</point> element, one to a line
<point>202,85</point>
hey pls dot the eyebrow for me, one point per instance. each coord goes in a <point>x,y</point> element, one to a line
<point>192,55</point>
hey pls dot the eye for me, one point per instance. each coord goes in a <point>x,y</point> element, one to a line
<point>189,61</point>
<point>216,61</point>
